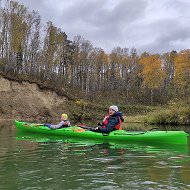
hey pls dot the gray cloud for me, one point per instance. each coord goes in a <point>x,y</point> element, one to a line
<point>154,26</point>
<point>169,42</point>
<point>97,20</point>
<point>170,35</point>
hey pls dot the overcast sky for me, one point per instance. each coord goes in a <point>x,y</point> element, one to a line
<point>155,26</point>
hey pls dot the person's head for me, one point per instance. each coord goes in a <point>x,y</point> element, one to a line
<point>64,116</point>
<point>113,109</point>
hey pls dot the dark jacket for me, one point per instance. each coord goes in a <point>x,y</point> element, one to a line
<point>112,122</point>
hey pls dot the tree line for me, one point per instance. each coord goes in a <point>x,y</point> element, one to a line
<point>37,52</point>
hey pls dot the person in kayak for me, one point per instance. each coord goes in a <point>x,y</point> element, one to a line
<point>64,123</point>
<point>111,122</point>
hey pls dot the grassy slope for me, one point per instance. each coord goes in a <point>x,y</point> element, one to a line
<point>174,113</point>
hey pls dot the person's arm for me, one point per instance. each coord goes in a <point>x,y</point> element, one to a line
<point>57,126</point>
<point>122,119</point>
<point>113,121</point>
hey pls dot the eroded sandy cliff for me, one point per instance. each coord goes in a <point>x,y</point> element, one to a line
<point>23,100</point>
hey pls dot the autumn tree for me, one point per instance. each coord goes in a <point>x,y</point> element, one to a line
<point>169,68</point>
<point>182,73</point>
<point>152,73</point>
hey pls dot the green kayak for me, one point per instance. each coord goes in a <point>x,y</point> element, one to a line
<point>160,137</point>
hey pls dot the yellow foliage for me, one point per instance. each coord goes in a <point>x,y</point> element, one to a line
<point>152,73</point>
<point>19,27</point>
<point>81,103</point>
<point>182,69</point>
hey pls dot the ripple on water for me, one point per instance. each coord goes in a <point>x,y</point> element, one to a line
<point>149,183</point>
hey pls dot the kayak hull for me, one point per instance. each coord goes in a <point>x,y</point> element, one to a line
<point>160,137</point>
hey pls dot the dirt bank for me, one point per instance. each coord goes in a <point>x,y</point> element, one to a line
<point>24,100</point>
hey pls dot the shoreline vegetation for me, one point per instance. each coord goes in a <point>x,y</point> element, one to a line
<point>174,114</point>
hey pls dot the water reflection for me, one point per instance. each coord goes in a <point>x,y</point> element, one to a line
<point>113,165</point>
<point>40,162</point>
<point>111,145</point>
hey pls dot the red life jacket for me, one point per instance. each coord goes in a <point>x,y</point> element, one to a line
<point>106,120</point>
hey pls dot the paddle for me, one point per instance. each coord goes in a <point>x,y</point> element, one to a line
<point>84,126</point>
<point>39,124</point>
<point>154,128</point>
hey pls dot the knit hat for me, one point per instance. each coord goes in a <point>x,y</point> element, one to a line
<point>65,116</point>
<point>115,108</point>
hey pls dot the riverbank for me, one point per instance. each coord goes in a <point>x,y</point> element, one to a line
<point>175,113</point>
<point>160,115</point>
<point>22,100</point>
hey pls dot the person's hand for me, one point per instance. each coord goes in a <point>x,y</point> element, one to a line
<point>47,125</point>
<point>66,123</point>
<point>94,129</point>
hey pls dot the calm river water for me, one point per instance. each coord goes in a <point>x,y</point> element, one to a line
<point>30,162</point>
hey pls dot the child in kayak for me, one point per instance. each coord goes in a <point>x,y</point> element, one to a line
<point>64,123</point>
<point>111,122</point>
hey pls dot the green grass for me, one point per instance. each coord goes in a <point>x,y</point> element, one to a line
<point>172,114</point>
<point>135,119</point>
<point>94,112</point>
